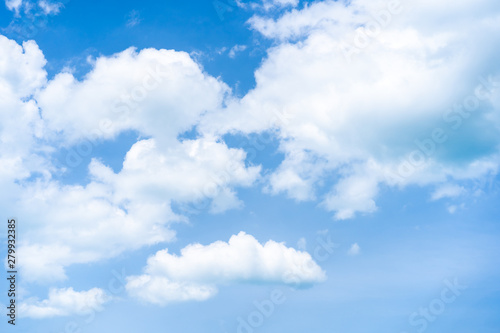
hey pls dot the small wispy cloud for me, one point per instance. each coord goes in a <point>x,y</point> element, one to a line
<point>452,209</point>
<point>354,250</point>
<point>447,191</point>
<point>50,8</point>
<point>235,49</point>
<point>133,18</point>
<point>302,244</point>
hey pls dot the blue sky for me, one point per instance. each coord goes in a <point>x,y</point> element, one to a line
<point>252,166</point>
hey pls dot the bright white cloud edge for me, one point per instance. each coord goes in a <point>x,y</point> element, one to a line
<point>198,271</point>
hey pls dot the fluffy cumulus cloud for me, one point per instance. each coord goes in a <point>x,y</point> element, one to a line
<point>361,94</point>
<point>370,93</point>
<point>64,302</point>
<point>158,93</point>
<point>21,74</point>
<point>196,272</point>
<point>126,210</point>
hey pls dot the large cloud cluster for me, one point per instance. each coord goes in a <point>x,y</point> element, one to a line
<point>374,92</point>
<point>159,94</point>
<point>361,94</point>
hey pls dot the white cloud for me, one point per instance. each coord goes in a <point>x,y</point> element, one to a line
<point>300,22</point>
<point>273,4</point>
<point>83,224</point>
<point>163,95</point>
<point>353,194</point>
<point>13,5</point>
<point>189,171</point>
<point>452,209</point>
<point>352,116</point>
<point>160,290</point>
<point>302,244</point>
<point>195,274</point>
<point>50,8</point>
<point>64,302</point>
<point>447,191</point>
<point>126,210</point>
<point>133,18</point>
<point>34,9</point>
<point>21,75</point>
<point>21,68</point>
<point>235,49</point>
<point>370,111</point>
<point>160,93</point>
<point>296,175</point>
<point>354,250</point>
